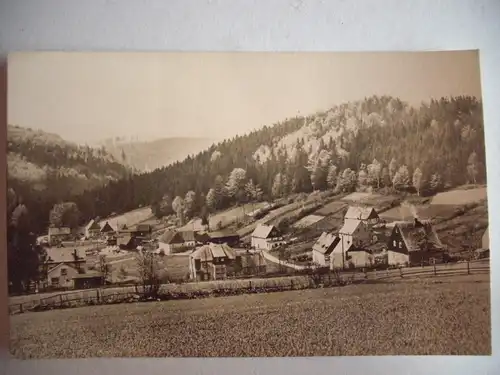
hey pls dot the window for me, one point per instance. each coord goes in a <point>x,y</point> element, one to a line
<point>64,272</point>
<point>400,245</point>
<point>54,281</point>
<point>394,243</point>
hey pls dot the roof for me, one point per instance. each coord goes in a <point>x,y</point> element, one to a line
<point>326,243</point>
<point>222,234</point>
<point>210,251</point>
<point>361,213</point>
<point>263,231</point>
<point>107,227</point>
<point>64,255</point>
<point>173,237</point>
<point>142,228</point>
<point>124,240</point>
<point>92,225</point>
<point>50,270</point>
<point>350,226</point>
<point>59,231</point>
<point>413,235</point>
<point>88,275</point>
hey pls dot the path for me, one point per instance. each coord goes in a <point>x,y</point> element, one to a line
<point>273,259</point>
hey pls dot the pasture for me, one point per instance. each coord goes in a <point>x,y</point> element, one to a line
<point>443,316</point>
<point>460,196</point>
<point>224,218</point>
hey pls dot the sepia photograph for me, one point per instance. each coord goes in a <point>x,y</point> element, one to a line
<point>247,204</point>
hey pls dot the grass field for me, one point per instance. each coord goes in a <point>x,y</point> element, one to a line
<point>414,318</point>
<point>460,196</point>
<point>129,218</point>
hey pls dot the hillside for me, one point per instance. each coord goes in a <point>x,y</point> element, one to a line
<point>44,168</point>
<point>149,155</point>
<point>377,142</point>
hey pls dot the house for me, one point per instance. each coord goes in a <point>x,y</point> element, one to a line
<point>367,215</point>
<point>127,242</point>
<point>91,279</point>
<point>61,276</point>
<point>249,263</point>
<point>106,228</point>
<point>354,235</point>
<point>266,237</point>
<point>61,264</point>
<point>92,229</point>
<point>220,237</point>
<point>323,248</point>
<point>57,235</point>
<point>212,262</point>
<point>414,243</point>
<point>172,241</point>
<point>142,230</point>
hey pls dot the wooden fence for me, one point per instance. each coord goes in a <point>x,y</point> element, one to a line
<point>239,286</point>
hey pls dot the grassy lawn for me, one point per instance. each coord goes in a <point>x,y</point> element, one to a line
<point>450,316</point>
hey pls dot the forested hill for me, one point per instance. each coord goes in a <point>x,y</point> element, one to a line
<point>378,141</point>
<point>44,169</point>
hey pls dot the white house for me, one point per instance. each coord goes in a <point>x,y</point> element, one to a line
<point>354,233</point>
<point>58,234</point>
<point>211,262</point>
<point>266,237</point>
<point>92,229</point>
<point>323,248</point>
<point>172,241</point>
<point>61,276</point>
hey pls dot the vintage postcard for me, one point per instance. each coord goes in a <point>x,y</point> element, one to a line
<point>247,205</point>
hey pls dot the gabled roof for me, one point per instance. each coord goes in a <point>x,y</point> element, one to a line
<point>350,226</point>
<point>107,227</point>
<point>60,265</point>
<point>124,240</point>
<point>64,255</point>
<point>210,251</point>
<point>263,231</point>
<point>92,225</point>
<point>361,213</point>
<point>414,235</point>
<point>176,237</point>
<point>326,243</point>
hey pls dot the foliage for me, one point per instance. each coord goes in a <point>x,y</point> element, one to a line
<point>65,215</point>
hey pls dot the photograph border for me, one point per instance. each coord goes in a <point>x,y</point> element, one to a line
<point>272,26</point>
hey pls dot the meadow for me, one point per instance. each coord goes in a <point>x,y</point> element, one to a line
<point>440,316</point>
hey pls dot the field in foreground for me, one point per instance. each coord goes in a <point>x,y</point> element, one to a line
<point>450,316</point>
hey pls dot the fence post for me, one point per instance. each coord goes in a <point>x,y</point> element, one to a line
<point>434,268</point>
<point>468,267</point>
<point>365,273</point>
<point>250,284</point>
<point>291,284</point>
<point>21,308</point>
<point>401,271</point>
<point>98,296</point>
<point>61,299</point>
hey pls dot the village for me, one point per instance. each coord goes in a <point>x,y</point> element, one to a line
<point>102,252</point>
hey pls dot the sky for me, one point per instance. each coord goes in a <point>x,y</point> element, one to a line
<point>89,96</point>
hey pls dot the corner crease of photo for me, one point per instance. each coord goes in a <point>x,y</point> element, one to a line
<point>231,204</point>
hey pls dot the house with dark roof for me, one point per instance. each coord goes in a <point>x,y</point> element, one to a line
<point>224,236</point>
<point>211,262</point>
<point>414,243</point>
<point>323,248</point>
<point>266,237</point>
<point>172,241</point>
